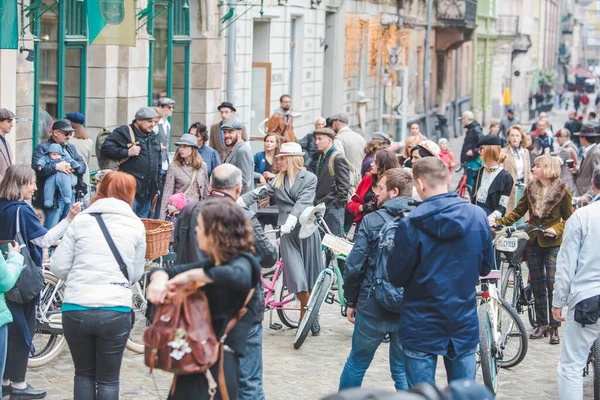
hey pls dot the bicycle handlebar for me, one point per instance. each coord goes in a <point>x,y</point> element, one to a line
<point>521,227</point>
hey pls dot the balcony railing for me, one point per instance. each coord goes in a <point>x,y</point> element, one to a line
<point>457,11</point>
<point>507,25</point>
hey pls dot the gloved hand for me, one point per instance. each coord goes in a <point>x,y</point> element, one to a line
<point>370,206</point>
<point>240,201</point>
<point>290,224</point>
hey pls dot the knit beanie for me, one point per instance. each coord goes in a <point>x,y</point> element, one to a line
<point>178,200</point>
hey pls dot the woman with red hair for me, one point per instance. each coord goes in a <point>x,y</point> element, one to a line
<point>96,311</point>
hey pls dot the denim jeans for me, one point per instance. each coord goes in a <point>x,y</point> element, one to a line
<point>60,182</point>
<point>141,208</point>
<point>3,347</point>
<point>97,341</point>
<point>420,366</point>
<point>334,217</point>
<point>251,366</point>
<point>56,214</point>
<point>367,336</point>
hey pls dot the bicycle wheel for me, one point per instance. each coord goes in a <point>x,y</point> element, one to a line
<point>513,342</point>
<point>486,352</point>
<point>290,313</point>
<point>509,290</point>
<point>48,342</point>
<point>313,308</point>
<point>135,342</point>
<point>596,365</point>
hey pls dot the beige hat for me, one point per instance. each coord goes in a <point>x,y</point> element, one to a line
<point>290,149</point>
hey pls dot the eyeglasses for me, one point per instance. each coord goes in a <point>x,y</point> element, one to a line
<point>67,134</point>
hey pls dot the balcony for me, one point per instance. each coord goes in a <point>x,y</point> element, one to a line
<point>507,25</point>
<point>457,12</point>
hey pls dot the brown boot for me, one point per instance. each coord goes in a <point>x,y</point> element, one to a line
<point>554,338</point>
<point>540,332</point>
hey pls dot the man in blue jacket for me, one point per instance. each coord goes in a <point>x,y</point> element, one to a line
<point>372,321</point>
<point>441,249</point>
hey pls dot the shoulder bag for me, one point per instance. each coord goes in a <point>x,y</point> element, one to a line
<point>31,281</point>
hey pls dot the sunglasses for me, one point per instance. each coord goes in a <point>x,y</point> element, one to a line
<point>67,134</point>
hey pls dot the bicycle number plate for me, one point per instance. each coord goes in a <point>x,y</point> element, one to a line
<point>508,244</point>
<point>337,245</point>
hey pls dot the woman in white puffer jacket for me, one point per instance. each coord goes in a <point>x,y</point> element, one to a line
<point>96,312</point>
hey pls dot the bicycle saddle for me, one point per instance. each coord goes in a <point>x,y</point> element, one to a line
<point>308,220</point>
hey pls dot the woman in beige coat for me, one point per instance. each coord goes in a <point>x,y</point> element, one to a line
<point>187,174</point>
<point>517,164</point>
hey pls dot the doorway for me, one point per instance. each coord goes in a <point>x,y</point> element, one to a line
<point>261,78</point>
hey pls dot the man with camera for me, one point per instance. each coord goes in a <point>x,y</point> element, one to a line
<point>577,286</point>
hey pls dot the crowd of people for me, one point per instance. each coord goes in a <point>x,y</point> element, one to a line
<point>419,249</point>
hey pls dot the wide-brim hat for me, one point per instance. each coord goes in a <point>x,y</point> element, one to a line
<point>187,140</point>
<point>228,105</point>
<point>589,129</point>
<point>290,149</point>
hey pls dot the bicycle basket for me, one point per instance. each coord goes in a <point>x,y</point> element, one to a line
<point>511,248</point>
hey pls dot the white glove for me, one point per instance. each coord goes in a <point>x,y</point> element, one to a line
<point>240,201</point>
<point>258,190</point>
<point>290,224</point>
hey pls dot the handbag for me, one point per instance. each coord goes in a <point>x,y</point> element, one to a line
<point>31,280</point>
<point>587,311</point>
<point>182,341</point>
<point>115,251</point>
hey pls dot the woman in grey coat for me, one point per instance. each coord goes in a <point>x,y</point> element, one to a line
<point>294,190</point>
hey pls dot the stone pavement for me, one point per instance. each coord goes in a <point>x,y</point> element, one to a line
<point>313,371</point>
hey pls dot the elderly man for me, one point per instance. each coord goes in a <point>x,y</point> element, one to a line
<point>577,284</point>
<point>282,121</point>
<point>311,152</point>
<point>61,133</point>
<point>7,119</point>
<point>507,122</point>
<point>589,138</point>
<point>238,153</point>
<point>353,144</point>
<point>470,153</point>
<point>137,150</point>
<point>217,135</point>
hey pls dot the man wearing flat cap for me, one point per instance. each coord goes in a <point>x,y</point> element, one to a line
<point>589,137</point>
<point>507,122</point>
<point>137,150</point>
<point>7,121</point>
<point>61,133</point>
<point>217,137</point>
<point>238,153</point>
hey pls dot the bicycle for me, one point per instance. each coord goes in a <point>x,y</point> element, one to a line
<point>312,220</point>
<point>510,243</point>
<point>594,361</point>
<point>500,330</point>
<point>464,190</point>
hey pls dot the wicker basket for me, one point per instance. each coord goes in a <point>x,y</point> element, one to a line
<point>158,236</point>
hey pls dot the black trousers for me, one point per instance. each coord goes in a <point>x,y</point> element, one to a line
<point>17,355</point>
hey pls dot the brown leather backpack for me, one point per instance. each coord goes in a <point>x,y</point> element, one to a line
<point>182,341</point>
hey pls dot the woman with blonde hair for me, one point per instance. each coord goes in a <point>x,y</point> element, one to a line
<point>517,163</point>
<point>294,190</point>
<point>492,183</point>
<point>409,145</point>
<point>187,174</point>
<point>549,204</point>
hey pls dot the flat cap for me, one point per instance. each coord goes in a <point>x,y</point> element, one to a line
<point>145,113</point>
<point>325,131</point>
<point>231,125</point>
<point>342,117</point>
<point>489,140</point>
<point>381,136</point>
<point>76,117</point>
<point>165,101</point>
<point>5,113</point>
<point>228,105</point>
<point>510,110</point>
<point>63,125</point>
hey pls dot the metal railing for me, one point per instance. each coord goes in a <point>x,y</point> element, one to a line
<point>507,25</point>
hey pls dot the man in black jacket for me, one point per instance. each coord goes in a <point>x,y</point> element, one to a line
<point>333,186</point>
<point>61,133</point>
<point>226,183</point>
<point>136,149</point>
<point>574,126</point>
<point>469,153</point>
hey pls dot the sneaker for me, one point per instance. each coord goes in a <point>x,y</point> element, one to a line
<point>6,390</point>
<point>386,338</point>
<point>28,393</point>
<point>315,329</point>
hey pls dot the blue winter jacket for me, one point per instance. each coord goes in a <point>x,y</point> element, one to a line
<point>359,274</point>
<point>440,251</point>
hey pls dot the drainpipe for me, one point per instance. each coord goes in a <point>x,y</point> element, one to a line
<point>231,39</point>
<point>427,68</point>
<point>457,125</point>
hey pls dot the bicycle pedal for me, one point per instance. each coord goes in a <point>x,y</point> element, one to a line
<point>275,326</point>
<point>330,299</point>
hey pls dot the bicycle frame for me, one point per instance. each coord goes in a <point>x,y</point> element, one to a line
<point>270,289</point>
<point>489,295</point>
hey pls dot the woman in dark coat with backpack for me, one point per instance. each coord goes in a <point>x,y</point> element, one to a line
<point>227,275</point>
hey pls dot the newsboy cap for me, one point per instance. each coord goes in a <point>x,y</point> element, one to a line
<point>5,113</point>
<point>165,101</point>
<point>381,136</point>
<point>231,125</point>
<point>325,131</point>
<point>342,117</point>
<point>145,113</point>
<point>63,125</point>
<point>76,117</point>
<point>489,140</point>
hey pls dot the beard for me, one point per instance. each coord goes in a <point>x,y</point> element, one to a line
<point>285,108</point>
<point>231,142</point>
